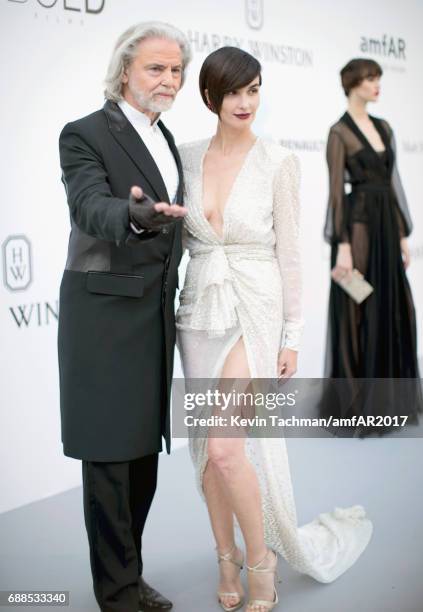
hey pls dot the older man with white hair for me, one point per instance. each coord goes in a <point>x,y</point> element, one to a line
<point>123,180</point>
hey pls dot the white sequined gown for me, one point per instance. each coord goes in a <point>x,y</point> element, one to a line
<point>249,283</point>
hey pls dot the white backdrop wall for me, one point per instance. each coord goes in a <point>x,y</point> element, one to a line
<point>54,56</point>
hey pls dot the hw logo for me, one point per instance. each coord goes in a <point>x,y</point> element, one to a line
<point>17,266</point>
<point>254,13</point>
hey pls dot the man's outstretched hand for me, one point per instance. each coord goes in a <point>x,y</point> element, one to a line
<point>151,215</point>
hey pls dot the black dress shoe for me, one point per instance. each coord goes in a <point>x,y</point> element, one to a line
<point>150,599</point>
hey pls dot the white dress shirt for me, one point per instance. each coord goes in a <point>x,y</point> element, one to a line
<point>156,143</point>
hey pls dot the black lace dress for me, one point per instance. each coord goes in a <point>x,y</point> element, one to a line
<point>375,340</point>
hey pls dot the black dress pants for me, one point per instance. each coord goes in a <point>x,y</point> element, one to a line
<point>117,498</point>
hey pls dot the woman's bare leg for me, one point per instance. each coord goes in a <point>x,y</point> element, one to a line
<point>231,487</point>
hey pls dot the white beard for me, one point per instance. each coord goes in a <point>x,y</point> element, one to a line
<point>148,103</point>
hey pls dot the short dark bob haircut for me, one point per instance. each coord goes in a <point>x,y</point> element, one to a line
<point>358,69</point>
<point>226,69</point>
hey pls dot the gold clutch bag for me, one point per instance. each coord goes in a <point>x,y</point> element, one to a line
<point>356,286</point>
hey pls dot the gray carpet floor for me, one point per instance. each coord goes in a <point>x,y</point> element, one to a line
<point>43,545</point>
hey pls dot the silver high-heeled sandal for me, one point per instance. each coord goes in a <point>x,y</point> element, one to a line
<point>229,557</point>
<point>256,569</point>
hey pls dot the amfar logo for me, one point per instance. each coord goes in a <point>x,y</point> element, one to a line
<point>89,6</point>
<point>17,266</point>
<point>386,46</point>
<point>254,13</point>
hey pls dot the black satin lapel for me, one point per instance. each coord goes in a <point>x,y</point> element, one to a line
<point>174,149</point>
<point>346,118</point>
<point>128,138</point>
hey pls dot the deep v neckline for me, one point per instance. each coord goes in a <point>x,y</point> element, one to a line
<point>362,136</point>
<point>221,238</point>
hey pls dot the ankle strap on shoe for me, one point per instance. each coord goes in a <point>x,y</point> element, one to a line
<point>264,570</point>
<point>228,557</point>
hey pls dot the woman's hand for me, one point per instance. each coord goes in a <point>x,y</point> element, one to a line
<point>287,363</point>
<point>344,262</point>
<point>405,252</point>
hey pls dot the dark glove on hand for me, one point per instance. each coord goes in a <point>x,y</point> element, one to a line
<point>143,214</point>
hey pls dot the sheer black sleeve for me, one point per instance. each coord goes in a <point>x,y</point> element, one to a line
<point>404,217</point>
<point>336,225</point>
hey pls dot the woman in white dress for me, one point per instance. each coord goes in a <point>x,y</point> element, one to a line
<point>240,318</point>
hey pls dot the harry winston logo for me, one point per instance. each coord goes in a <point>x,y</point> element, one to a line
<point>254,13</point>
<point>17,265</point>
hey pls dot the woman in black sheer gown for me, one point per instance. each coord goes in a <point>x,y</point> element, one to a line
<point>367,229</point>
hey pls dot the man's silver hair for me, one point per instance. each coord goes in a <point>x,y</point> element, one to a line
<point>126,49</point>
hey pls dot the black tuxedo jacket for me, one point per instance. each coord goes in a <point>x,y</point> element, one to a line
<point>116,323</point>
